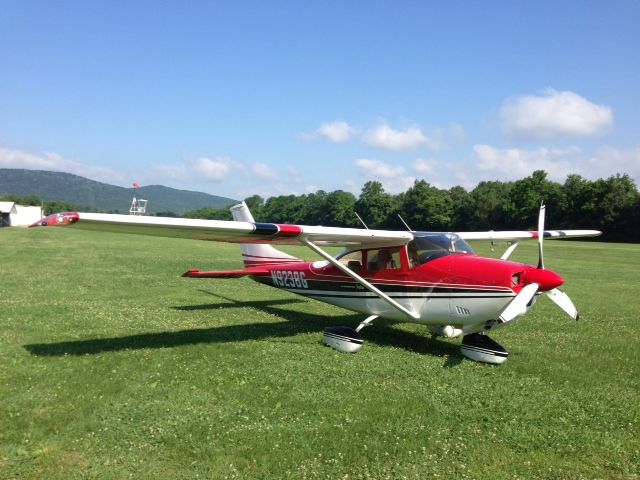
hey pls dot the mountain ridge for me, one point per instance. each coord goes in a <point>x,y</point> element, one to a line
<point>84,192</point>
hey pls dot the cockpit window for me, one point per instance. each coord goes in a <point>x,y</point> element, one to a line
<point>387,258</point>
<point>429,246</point>
<point>352,260</point>
<point>383,259</point>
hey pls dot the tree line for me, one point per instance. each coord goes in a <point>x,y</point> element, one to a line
<point>611,205</point>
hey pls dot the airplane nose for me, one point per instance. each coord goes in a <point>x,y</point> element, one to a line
<point>547,279</point>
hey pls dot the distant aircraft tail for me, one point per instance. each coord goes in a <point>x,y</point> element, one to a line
<point>258,254</point>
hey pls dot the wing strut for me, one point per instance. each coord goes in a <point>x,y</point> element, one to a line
<point>359,279</point>
<point>509,250</point>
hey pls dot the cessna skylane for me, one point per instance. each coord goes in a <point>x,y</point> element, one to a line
<point>430,278</point>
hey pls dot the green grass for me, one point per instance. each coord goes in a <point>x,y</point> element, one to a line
<point>112,366</point>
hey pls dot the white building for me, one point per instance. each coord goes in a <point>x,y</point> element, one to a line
<point>13,215</point>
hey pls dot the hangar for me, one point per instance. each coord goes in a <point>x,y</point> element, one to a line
<point>14,215</point>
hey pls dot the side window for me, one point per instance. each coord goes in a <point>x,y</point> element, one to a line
<point>383,259</point>
<point>352,260</point>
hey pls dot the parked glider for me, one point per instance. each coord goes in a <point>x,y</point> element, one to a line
<point>431,278</point>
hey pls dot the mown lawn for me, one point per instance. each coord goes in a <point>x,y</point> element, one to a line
<point>112,366</point>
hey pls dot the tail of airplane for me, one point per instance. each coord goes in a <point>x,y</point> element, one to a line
<point>258,254</point>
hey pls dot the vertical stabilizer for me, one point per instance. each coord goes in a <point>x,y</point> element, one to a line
<point>258,254</point>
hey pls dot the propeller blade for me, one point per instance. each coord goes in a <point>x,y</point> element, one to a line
<point>564,302</point>
<point>518,305</point>
<point>541,235</point>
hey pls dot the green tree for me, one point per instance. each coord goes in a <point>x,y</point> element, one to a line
<point>314,208</point>
<point>340,208</point>
<point>577,193</point>
<point>426,207</point>
<point>525,198</point>
<point>489,206</point>
<point>32,200</point>
<point>256,205</point>
<point>462,215</point>
<point>374,205</point>
<point>284,209</point>
<point>613,202</point>
<point>209,213</point>
<point>56,207</point>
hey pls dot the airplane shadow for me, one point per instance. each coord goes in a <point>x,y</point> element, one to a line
<point>293,323</point>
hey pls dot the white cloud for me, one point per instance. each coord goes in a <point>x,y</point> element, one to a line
<point>383,136</point>
<point>398,184</point>
<point>554,114</point>
<point>215,169</point>
<point>424,167</point>
<point>14,158</point>
<point>440,139</point>
<point>337,132</point>
<point>163,172</point>
<point>379,169</point>
<point>608,161</point>
<point>292,171</point>
<point>515,163</point>
<point>202,170</point>
<point>391,176</point>
<point>263,171</point>
<point>351,186</point>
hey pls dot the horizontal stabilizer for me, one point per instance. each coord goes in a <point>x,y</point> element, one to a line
<point>226,273</point>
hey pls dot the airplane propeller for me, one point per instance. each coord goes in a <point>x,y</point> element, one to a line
<point>539,280</point>
<point>518,305</point>
<point>541,236</point>
<point>564,302</point>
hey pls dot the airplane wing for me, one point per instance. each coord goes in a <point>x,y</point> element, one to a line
<point>524,235</point>
<point>255,232</point>
<point>225,231</point>
<point>240,232</point>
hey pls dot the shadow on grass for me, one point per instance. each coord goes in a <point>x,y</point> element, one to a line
<point>294,323</point>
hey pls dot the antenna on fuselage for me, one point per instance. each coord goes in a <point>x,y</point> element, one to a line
<point>361,221</point>
<point>405,223</point>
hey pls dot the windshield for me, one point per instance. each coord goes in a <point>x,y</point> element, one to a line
<point>428,246</point>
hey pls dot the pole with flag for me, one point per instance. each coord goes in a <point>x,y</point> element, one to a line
<point>135,206</point>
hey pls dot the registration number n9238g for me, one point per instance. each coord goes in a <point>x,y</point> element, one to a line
<point>289,279</point>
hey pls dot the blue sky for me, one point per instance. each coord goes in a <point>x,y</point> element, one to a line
<point>237,98</point>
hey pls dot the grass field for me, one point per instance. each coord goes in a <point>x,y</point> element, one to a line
<point>112,366</point>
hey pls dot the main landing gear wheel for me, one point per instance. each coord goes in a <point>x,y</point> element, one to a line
<point>345,339</point>
<point>482,348</point>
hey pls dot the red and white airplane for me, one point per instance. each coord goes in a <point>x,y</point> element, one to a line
<point>431,278</point>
